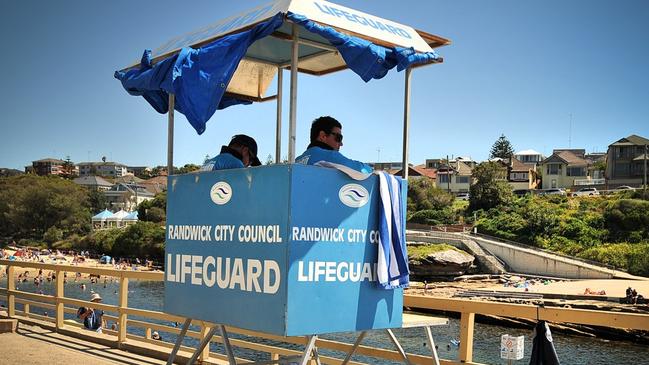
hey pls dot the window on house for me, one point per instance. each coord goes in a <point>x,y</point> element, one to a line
<point>621,169</point>
<point>575,171</point>
<point>553,169</point>
<point>462,179</point>
<point>443,179</point>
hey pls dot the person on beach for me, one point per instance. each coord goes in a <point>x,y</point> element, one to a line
<point>92,318</point>
<point>239,153</point>
<point>326,140</point>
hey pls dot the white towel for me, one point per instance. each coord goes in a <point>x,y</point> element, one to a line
<point>392,261</point>
<point>392,269</point>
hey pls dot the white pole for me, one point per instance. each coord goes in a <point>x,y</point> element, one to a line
<point>406,123</point>
<point>293,106</point>
<point>278,132</point>
<point>170,135</point>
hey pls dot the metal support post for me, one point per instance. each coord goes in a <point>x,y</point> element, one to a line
<point>356,344</point>
<point>406,123</point>
<point>467,321</point>
<point>206,339</point>
<point>227,346</point>
<point>123,305</point>
<point>396,343</point>
<point>293,97</point>
<point>179,341</point>
<point>431,343</point>
<point>278,129</point>
<point>170,135</point>
<point>310,345</point>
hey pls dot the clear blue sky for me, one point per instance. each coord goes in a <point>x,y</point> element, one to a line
<point>515,67</point>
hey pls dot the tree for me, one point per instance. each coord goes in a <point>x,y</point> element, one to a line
<point>502,148</point>
<point>153,210</point>
<point>489,191</point>
<point>97,201</point>
<point>423,195</point>
<point>30,205</point>
<point>68,168</point>
<point>188,168</point>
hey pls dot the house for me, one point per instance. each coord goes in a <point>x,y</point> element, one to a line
<point>52,166</point>
<point>139,170</point>
<point>6,172</point>
<point>126,196</point>
<point>418,172</point>
<point>383,166</point>
<point>529,157</point>
<point>93,182</point>
<point>566,168</point>
<point>105,169</point>
<point>155,185</point>
<point>626,160</point>
<point>455,177</point>
<point>522,175</point>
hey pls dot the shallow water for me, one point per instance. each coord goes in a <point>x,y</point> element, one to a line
<point>571,349</point>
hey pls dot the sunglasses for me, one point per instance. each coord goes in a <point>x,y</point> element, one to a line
<point>337,136</point>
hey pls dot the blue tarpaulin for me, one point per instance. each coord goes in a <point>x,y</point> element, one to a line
<point>199,77</point>
<point>368,60</point>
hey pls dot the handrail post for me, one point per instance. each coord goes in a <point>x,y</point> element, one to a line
<point>205,353</point>
<point>123,304</point>
<point>59,293</point>
<point>26,309</point>
<point>467,322</point>
<point>11,286</point>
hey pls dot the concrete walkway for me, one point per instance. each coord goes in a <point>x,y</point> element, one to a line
<point>38,346</point>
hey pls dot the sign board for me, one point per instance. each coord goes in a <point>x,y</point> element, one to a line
<point>286,249</point>
<point>323,12</point>
<point>511,347</point>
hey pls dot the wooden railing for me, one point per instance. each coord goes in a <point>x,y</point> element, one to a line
<point>467,309</point>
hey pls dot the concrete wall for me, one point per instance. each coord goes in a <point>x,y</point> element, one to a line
<point>530,261</point>
<point>520,259</point>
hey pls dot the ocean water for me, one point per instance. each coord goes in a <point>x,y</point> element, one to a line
<point>570,349</point>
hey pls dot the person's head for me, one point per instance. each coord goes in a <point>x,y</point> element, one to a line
<point>247,147</point>
<point>95,298</point>
<point>327,130</point>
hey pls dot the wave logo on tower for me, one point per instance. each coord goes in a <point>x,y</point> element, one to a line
<point>221,193</point>
<point>353,195</point>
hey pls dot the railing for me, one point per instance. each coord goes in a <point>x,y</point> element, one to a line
<point>586,182</point>
<point>120,338</point>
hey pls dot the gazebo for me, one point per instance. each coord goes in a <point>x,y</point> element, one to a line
<point>100,221</point>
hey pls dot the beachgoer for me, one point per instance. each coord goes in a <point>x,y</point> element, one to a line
<point>156,336</point>
<point>326,140</point>
<point>92,318</point>
<point>239,153</point>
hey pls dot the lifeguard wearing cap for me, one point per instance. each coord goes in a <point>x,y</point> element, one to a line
<point>239,153</point>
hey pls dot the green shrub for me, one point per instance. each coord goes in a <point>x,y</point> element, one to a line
<point>631,257</point>
<point>434,216</point>
<point>627,220</point>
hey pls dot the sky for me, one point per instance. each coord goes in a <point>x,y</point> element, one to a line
<point>546,74</point>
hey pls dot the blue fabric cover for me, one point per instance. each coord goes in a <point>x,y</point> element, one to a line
<point>368,60</point>
<point>314,155</point>
<point>197,77</point>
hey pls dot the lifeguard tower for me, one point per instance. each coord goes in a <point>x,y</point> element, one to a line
<point>286,249</point>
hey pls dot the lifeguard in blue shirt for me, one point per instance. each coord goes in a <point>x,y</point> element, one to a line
<point>326,140</point>
<point>239,153</point>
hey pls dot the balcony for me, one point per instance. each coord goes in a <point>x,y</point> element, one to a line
<point>586,182</point>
